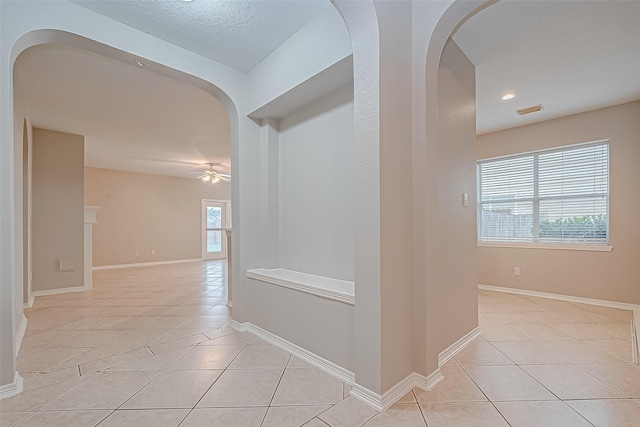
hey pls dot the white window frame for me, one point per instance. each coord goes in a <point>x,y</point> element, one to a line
<point>537,244</point>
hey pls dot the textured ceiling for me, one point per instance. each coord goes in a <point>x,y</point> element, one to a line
<point>569,56</point>
<point>132,119</point>
<point>237,33</point>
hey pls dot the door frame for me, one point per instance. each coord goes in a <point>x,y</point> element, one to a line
<point>226,224</point>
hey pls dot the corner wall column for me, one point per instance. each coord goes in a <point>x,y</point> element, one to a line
<point>90,218</point>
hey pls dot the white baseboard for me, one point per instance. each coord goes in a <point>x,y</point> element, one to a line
<point>457,346</point>
<point>59,291</point>
<point>12,389</point>
<point>22,328</point>
<point>311,358</point>
<point>376,401</point>
<point>568,298</point>
<point>144,264</point>
<point>29,304</point>
<point>383,402</point>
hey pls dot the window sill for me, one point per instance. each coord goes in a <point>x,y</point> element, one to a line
<point>552,246</point>
<point>334,289</point>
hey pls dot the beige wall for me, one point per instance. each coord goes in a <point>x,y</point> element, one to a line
<point>143,212</point>
<point>455,289</point>
<point>58,209</point>
<point>611,275</point>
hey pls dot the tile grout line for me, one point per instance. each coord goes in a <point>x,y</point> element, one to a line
<point>424,418</point>
<point>575,364</point>
<point>481,390</point>
<point>102,420</point>
<point>275,390</point>
<point>214,381</point>
<point>221,374</point>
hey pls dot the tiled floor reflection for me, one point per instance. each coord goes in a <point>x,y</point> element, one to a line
<point>149,347</point>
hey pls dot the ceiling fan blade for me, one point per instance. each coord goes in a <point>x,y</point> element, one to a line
<point>224,175</point>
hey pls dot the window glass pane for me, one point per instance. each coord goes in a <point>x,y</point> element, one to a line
<point>214,217</point>
<point>510,221</point>
<point>574,219</point>
<point>214,241</point>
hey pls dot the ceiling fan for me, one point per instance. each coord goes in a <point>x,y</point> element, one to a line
<point>212,176</point>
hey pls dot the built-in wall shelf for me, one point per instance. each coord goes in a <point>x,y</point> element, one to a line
<point>326,287</point>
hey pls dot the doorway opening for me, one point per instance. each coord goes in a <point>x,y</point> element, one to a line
<point>216,216</point>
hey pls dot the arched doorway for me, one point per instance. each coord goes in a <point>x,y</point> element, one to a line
<point>13,319</point>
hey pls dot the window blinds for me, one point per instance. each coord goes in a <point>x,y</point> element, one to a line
<point>558,195</point>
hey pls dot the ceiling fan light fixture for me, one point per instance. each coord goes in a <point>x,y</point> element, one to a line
<point>212,176</point>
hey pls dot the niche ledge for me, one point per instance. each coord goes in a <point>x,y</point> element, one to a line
<point>325,287</point>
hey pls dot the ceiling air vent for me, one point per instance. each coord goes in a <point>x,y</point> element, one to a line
<point>529,110</point>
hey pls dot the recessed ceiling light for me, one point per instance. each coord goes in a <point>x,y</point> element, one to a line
<point>508,96</point>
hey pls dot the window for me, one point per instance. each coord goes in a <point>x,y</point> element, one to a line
<point>553,196</point>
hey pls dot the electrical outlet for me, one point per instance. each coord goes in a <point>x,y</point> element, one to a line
<point>64,264</point>
<point>153,251</point>
<point>516,271</point>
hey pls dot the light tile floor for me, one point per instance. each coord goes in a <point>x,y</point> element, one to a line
<point>149,347</point>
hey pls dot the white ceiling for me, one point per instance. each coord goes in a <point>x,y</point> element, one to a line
<point>132,119</point>
<point>569,56</point>
<point>239,33</point>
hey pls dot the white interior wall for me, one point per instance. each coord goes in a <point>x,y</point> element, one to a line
<point>20,108</point>
<point>316,188</point>
<point>433,24</point>
<point>321,326</point>
<point>25,24</point>
<point>307,220</point>
<point>318,45</point>
<point>19,196</point>
<point>361,20</point>
<point>396,205</point>
<point>295,154</point>
<point>456,283</point>
<point>22,18</point>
